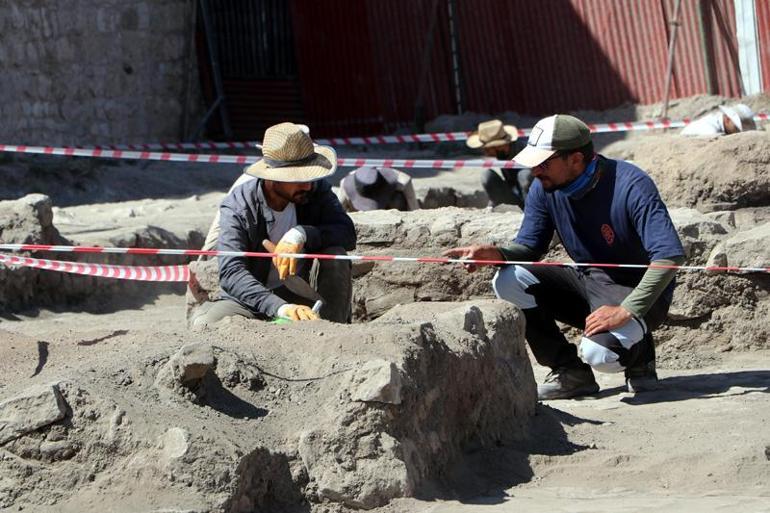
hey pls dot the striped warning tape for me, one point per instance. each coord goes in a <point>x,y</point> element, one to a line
<point>599,128</point>
<point>169,273</point>
<point>375,258</point>
<point>249,159</point>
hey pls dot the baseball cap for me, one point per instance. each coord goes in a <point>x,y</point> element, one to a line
<point>552,134</point>
<point>740,114</point>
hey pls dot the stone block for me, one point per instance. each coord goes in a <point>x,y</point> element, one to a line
<point>36,407</point>
<point>746,248</point>
<point>377,381</point>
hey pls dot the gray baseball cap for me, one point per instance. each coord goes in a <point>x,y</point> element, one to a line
<point>554,133</point>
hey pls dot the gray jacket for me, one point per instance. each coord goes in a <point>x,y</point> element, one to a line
<point>243,227</point>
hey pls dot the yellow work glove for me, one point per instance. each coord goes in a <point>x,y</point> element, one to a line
<point>297,313</point>
<point>292,242</point>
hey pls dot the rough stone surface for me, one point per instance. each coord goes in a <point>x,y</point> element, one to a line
<point>114,72</point>
<point>704,173</point>
<point>37,407</point>
<point>28,220</point>
<point>304,441</point>
<point>698,232</point>
<point>744,249</point>
<point>32,220</point>
<point>425,233</point>
<point>188,366</point>
<point>377,381</point>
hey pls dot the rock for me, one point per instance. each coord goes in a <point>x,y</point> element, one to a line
<point>378,474</point>
<point>59,450</point>
<point>698,233</point>
<point>174,443</point>
<point>725,218</point>
<point>377,381</point>
<point>193,361</point>
<point>744,249</point>
<point>28,220</point>
<point>187,367</point>
<point>36,407</point>
<point>372,451</point>
<point>378,304</point>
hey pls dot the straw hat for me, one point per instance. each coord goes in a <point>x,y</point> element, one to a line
<point>289,155</point>
<point>492,133</point>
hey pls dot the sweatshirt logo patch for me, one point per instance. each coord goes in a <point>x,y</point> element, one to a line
<point>608,234</point>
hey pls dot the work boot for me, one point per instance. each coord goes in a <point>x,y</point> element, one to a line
<point>642,378</point>
<point>567,382</point>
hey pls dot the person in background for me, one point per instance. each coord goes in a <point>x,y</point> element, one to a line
<point>377,188</point>
<point>498,141</point>
<point>727,120</point>
<point>605,212</point>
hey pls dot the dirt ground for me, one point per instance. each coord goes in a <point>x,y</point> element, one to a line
<point>701,443</point>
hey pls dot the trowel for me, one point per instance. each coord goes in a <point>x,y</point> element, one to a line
<point>303,289</point>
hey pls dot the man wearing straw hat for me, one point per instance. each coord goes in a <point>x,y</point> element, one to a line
<point>605,212</point>
<point>497,140</point>
<point>287,208</point>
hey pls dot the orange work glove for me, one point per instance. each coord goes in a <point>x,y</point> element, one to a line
<point>297,312</point>
<point>292,242</point>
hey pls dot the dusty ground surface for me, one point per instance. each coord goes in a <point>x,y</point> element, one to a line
<point>699,444</point>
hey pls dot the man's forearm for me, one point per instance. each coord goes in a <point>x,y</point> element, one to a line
<point>236,280</point>
<point>521,253</point>
<point>649,289</point>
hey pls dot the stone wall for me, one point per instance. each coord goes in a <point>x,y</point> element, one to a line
<point>96,71</point>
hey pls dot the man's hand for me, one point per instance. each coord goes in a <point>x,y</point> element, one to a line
<point>297,312</point>
<point>476,252</point>
<point>606,318</point>
<point>292,242</point>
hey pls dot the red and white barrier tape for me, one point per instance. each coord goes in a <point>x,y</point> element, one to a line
<point>169,273</point>
<point>249,159</point>
<point>598,128</point>
<point>383,258</point>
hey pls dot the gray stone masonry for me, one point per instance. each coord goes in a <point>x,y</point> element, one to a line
<point>96,71</point>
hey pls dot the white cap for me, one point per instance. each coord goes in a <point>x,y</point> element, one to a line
<point>739,114</point>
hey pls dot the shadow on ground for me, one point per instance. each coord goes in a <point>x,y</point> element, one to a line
<point>705,386</point>
<point>484,475</point>
<point>137,296</point>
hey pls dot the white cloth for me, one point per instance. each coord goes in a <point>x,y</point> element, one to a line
<point>282,221</point>
<point>404,185</point>
<point>709,125</point>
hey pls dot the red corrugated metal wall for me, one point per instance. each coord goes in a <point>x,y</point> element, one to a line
<point>360,61</point>
<point>763,28</point>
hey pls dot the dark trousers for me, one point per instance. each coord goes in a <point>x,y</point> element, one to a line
<point>509,187</point>
<point>569,295</point>
<point>332,279</point>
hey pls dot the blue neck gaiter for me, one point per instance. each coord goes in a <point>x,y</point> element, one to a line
<point>580,186</point>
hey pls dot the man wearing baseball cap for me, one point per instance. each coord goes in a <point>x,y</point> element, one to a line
<point>287,207</point>
<point>605,212</point>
